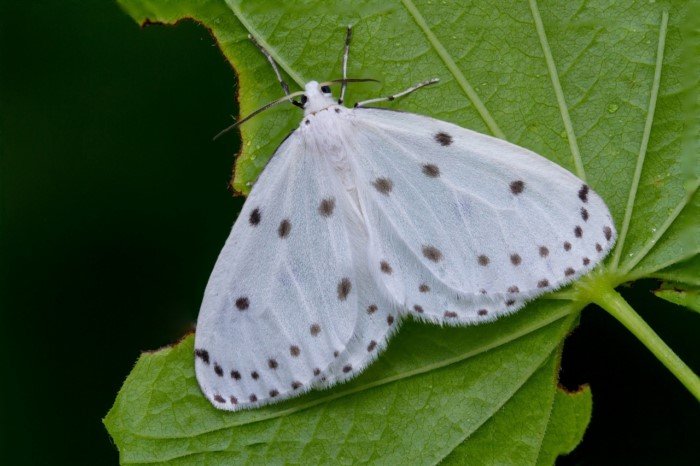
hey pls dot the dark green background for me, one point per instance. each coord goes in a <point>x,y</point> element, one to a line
<point>115,204</point>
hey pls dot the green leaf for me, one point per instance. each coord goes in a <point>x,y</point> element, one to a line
<point>602,88</point>
<point>548,422</point>
<point>687,272</point>
<point>425,396</point>
<point>571,413</point>
<point>681,294</point>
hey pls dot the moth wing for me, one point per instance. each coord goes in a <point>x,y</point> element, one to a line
<point>465,226</point>
<point>377,319</point>
<point>282,298</point>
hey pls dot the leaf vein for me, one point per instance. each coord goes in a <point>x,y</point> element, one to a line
<point>505,400</point>
<point>558,91</point>
<point>235,8</point>
<point>629,209</point>
<point>452,67</point>
<point>641,254</point>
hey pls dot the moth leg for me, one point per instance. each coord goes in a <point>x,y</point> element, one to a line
<point>346,53</point>
<point>281,80</point>
<point>400,94</point>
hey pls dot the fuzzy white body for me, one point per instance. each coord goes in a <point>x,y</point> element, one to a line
<point>365,215</point>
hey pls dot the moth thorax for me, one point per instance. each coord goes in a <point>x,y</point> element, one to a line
<point>325,131</point>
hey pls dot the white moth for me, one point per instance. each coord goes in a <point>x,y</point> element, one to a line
<point>366,215</point>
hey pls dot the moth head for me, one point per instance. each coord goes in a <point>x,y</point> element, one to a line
<point>316,97</point>
<point>313,98</point>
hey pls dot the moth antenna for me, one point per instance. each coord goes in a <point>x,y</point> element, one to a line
<point>346,53</point>
<point>261,109</point>
<point>281,80</point>
<point>349,80</point>
<point>400,94</point>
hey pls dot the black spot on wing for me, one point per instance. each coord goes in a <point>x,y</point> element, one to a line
<point>326,206</point>
<point>431,170</point>
<point>443,138</point>
<point>583,193</point>
<point>284,228</point>
<point>385,267</point>
<point>344,287</point>
<point>517,187</point>
<point>203,355</point>
<point>432,253</point>
<point>607,231</point>
<point>255,216</point>
<point>242,303</point>
<point>383,185</point>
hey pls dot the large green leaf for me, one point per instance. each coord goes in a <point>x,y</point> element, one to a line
<point>602,88</point>
<point>432,390</point>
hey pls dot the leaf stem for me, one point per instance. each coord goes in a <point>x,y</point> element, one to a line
<point>610,300</point>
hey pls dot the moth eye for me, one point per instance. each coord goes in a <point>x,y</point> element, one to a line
<point>326,89</point>
<point>303,99</point>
